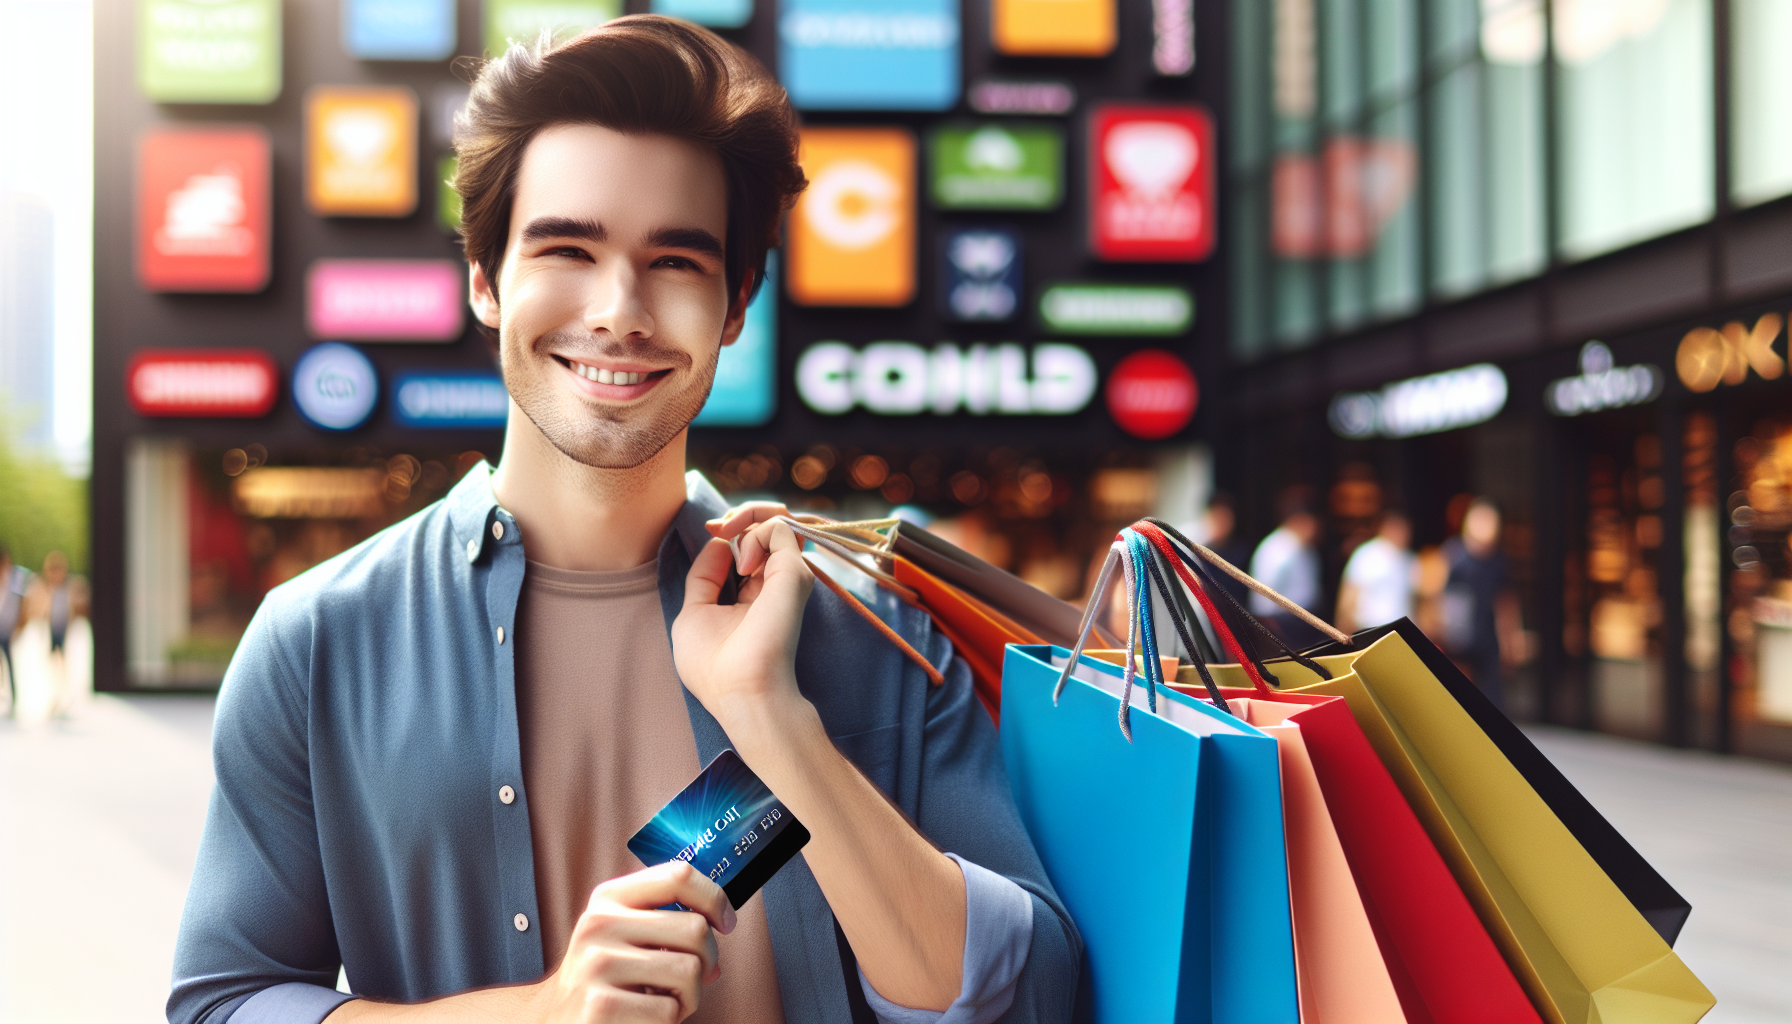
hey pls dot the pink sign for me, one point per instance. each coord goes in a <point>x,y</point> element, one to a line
<point>385,300</point>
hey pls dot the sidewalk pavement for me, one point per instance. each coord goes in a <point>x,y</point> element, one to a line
<point>100,820</point>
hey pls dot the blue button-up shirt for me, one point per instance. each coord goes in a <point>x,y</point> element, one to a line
<point>368,722</point>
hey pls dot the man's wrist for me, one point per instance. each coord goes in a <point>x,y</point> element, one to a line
<point>766,730</point>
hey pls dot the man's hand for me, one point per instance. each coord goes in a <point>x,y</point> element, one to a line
<point>742,656</point>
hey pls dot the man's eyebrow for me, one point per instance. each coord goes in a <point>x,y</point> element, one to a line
<point>694,239</point>
<point>543,228</point>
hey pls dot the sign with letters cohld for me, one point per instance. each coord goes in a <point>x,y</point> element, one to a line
<point>852,233</point>
<point>869,54</point>
<point>361,151</point>
<point>1151,183</point>
<point>202,209</point>
<point>398,29</point>
<point>208,51</point>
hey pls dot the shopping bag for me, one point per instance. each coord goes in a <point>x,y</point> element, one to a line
<point>978,634</point>
<point>1167,849</point>
<point>1028,607</point>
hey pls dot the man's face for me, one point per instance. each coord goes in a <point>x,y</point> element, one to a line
<point>612,305</point>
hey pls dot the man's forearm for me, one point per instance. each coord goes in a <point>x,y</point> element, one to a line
<point>900,902</point>
<point>508,1004</point>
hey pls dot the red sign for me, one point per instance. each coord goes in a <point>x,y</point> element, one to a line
<point>202,209</point>
<point>215,382</point>
<point>1152,394</point>
<point>1151,175</point>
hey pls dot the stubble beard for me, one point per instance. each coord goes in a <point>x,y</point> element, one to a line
<point>605,437</point>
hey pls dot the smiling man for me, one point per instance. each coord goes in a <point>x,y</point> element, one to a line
<point>432,749</point>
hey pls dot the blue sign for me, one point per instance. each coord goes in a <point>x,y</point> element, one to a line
<point>398,29</point>
<point>746,388</point>
<point>335,386</point>
<point>982,274</point>
<point>714,13</point>
<point>469,399</point>
<point>870,54</point>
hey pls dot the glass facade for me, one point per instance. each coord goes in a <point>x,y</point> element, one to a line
<point>1760,101</point>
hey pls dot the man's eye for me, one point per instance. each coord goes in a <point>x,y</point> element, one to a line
<point>569,251</point>
<point>676,263</point>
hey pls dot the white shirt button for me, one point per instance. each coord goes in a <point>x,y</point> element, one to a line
<point>521,921</point>
<point>473,550</point>
<point>500,634</point>
<point>497,530</point>
<point>506,795</point>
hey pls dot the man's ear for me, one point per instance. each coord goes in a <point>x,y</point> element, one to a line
<point>482,298</point>
<point>737,310</point>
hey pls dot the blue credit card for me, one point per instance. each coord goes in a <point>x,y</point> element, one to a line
<point>726,824</point>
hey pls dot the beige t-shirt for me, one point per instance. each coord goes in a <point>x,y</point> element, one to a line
<point>606,742</point>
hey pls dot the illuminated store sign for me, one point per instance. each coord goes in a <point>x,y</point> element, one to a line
<point>1152,394</point>
<point>745,393</point>
<point>1173,37</point>
<point>227,383</point>
<point>202,209</point>
<point>898,378</point>
<point>1422,405</point>
<point>361,151</point>
<point>852,233</point>
<point>1117,309</point>
<point>1602,385</point>
<point>1037,98</point>
<point>335,386</point>
<point>869,54</point>
<point>1151,183</point>
<point>1707,358</point>
<point>471,399</point>
<point>398,29</point>
<point>384,300</point>
<point>982,274</point>
<point>1053,28</point>
<point>209,51</point>
<point>523,21</point>
<point>997,168</point>
<point>714,13</point>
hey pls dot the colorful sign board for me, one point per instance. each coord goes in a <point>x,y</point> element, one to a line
<point>870,54</point>
<point>1422,405</point>
<point>1173,37</point>
<point>852,233</point>
<point>982,271</point>
<point>1117,309</point>
<point>209,51</point>
<point>447,199</point>
<point>1152,394</point>
<point>1048,98</point>
<point>207,382</point>
<point>900,378</point>
<point>1707,357</point>
<point>1053,28</point>
<point>1602,385</point>
<point>1151,183</point>
<point>361,151</point>
<point>997,167</point>
<point>334,386</point>
<point>713,13</point>
<point>202,209</point>
<point>745,392</point>
<point>468,399</point>
<point>384,300</point>
<point>398,29</point>
<point>523,21</point>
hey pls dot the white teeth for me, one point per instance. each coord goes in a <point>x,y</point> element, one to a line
<point>605,377</point>
<point>602,376</point>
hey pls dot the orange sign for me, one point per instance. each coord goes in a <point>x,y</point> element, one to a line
<point>852,234</point>
<point>1053,28</point>
<point>1707,358</point>
<point>361,151</point>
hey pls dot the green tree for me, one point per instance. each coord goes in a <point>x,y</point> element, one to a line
<point>42,508</point>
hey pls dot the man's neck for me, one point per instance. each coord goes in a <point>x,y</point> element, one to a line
<point>582,518</point>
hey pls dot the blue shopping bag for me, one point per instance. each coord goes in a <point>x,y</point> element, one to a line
<point>1167,849</point>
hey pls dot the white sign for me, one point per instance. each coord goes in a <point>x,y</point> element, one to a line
<point>1422,405</point>
<point>1602,385</point>
<point>900,378</point>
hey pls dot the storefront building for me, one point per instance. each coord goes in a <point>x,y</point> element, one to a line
<point>997,302</point>
<point>1540,253</point>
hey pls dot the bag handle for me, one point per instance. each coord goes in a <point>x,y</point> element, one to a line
<point>1097,597</point>
<point>1183,618</point>
<point>934,676</point>
<point>1245,578</point>
<point>1252,666</point>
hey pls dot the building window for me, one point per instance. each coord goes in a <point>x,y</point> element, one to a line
<point>1760,100</point>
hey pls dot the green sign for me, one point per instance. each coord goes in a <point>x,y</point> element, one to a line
<point>522,21</point>
<point>447,199</point>
<point>222,51</point>
<point>1117,309</point>
<point>995,167</point>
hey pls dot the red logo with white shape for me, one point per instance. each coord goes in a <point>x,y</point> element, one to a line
<point>1152,177</point>
<point>385,300</point>
<point>220,383</point>
<point>202,209</point>
<point>1152,394</point>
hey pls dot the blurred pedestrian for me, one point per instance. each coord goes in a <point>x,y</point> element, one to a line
<point>1287,561</point>
<point>53,650</point>
<point>1379,578</point>
<point>13,580</point>
<point>1481,614</point>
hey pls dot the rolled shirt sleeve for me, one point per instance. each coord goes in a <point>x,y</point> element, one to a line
<point>293,1002</point>
<point>998,934</point>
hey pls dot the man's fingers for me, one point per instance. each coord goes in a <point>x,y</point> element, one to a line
<point>644,970</point>
<point>709,572</point>
<point>742,517</point>
<point>757,545</point>
<point>675,882</point>
<point>604,1005</point>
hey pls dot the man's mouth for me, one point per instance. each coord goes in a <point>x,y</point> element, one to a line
<point>616,381</point>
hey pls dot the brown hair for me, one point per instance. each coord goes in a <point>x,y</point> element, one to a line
<point>642,74</point>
